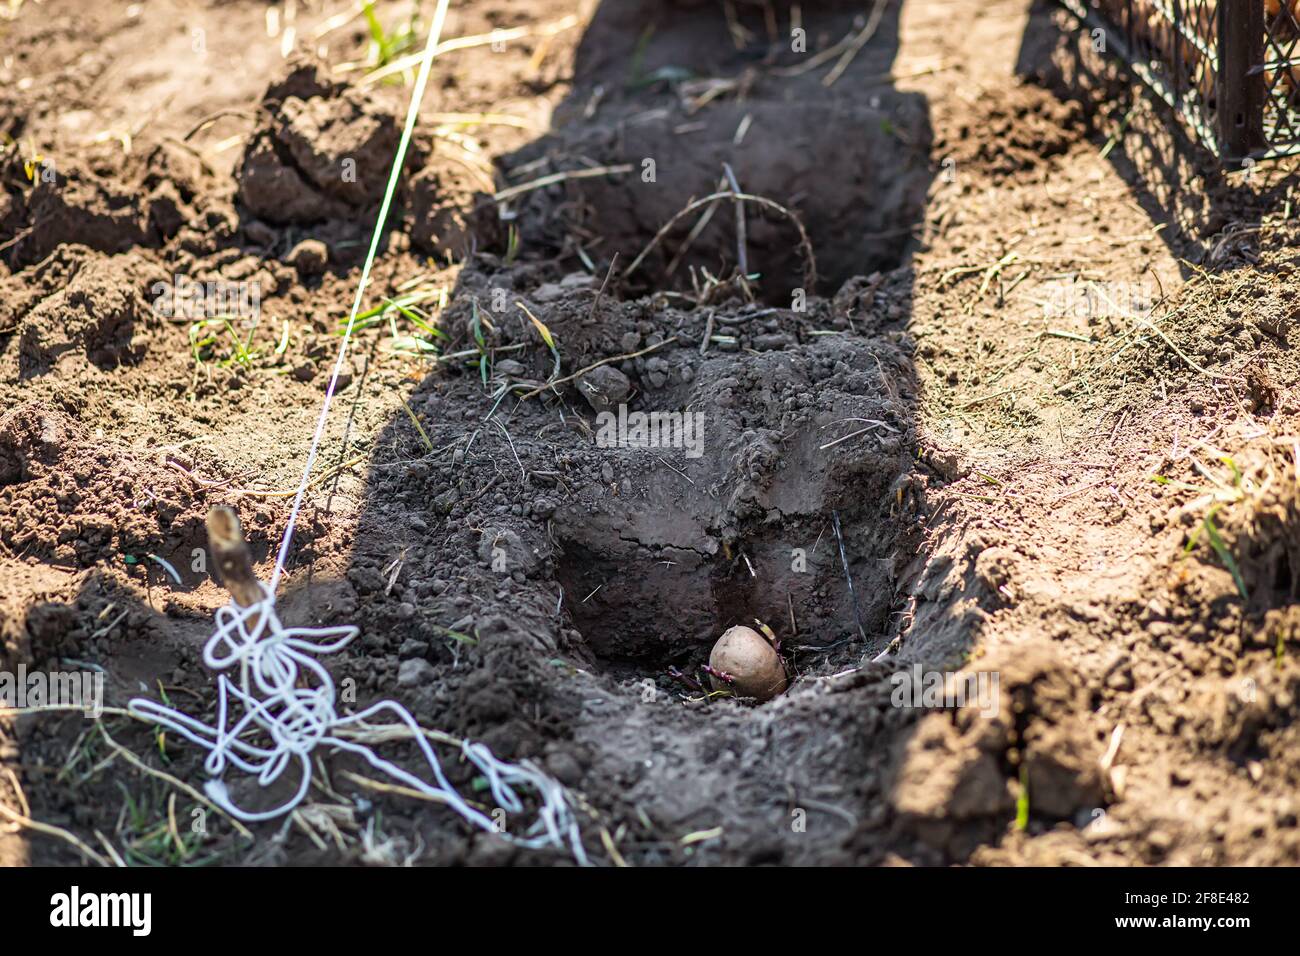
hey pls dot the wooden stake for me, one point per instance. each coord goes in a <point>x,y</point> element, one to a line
<point>226,539</point>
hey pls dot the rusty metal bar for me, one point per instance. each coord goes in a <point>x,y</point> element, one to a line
<point>1239,85</point>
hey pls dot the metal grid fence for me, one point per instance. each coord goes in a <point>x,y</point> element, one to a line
<point>1229,68</point>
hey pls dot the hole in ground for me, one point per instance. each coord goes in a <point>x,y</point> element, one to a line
<point>665,92</point>
<point>859,202</point>
<point>660,593</point>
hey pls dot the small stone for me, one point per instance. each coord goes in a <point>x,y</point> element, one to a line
<point>506,552</point>
<point>605,388</point>
<point>547,293</point>
<point>565,768</point>
<point>578,280</point>
<point>412,648</point>
<point>415,672</point>
<point>768,343</point>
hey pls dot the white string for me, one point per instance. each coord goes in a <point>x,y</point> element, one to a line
<point>430,48</point>
<point>271,659</point>
<point>283,691</point>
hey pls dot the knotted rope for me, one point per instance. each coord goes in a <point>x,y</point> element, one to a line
<point>269,680</point>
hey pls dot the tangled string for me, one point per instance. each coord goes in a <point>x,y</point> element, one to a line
<point>276,704</point>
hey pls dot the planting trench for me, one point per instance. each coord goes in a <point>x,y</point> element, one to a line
<point>653,573</point>
<point>606,571</point>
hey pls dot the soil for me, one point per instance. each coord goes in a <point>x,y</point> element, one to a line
<point>919,383</point>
